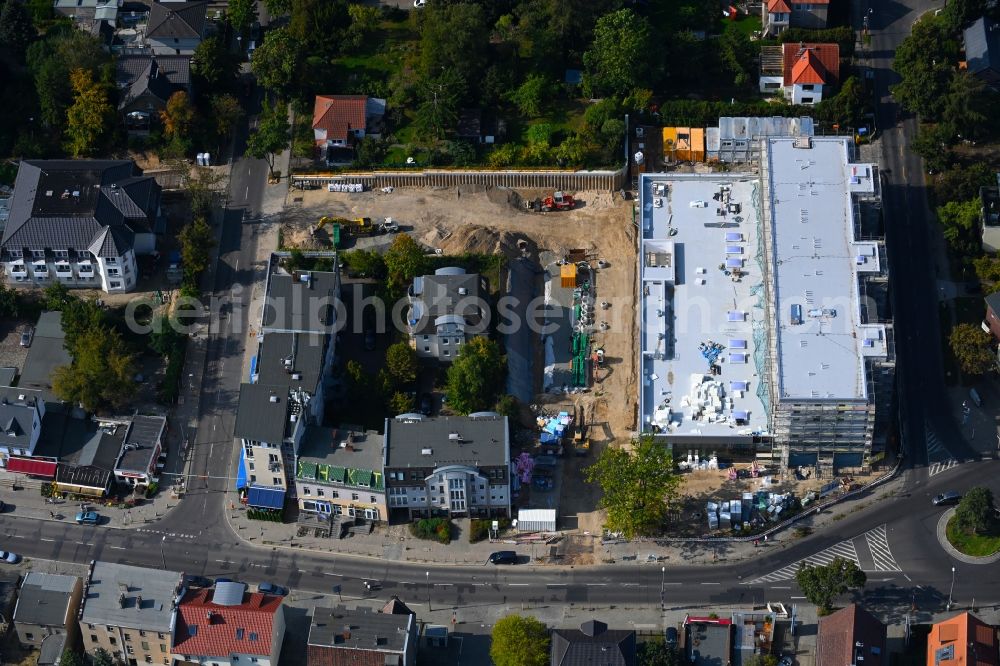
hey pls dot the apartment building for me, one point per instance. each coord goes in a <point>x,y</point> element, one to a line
<point>130,612</point>
<point>339,472</point>
<point>46,606</point>
<point>361,637</point>
<point>448,466</point>
<point>446,311</point>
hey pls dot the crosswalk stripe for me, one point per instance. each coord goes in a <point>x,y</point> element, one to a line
<point>878,544</point>
<point>938,467</point>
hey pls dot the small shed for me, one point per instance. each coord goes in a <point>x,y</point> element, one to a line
<point>567,275</point>
<point>536,520</point>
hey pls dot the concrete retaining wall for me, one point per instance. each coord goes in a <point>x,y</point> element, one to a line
<point>572,181</point>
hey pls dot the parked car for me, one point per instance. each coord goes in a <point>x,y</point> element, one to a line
<point>671,637</point>
<point>271,588</point>
<point>546,461</point>
<point>503,557</point>
<point>786,660</point>
<point>426,404</point>
<point>10,558</point>
<point>87,518</point>
<point>3,507</point>
<point>950,497</point>
<point>199,581</point>
<point>27,336</point>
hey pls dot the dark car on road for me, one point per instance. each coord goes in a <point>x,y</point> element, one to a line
<point>950,497</point>
<point>503,557</point>
<point>671,637</point>
<point>271,588</point>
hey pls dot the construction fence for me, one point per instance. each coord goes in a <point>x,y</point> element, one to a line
<point>610,181</point>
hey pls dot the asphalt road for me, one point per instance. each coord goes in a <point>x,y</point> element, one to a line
<point>929,431</point>
<point>196,538</point>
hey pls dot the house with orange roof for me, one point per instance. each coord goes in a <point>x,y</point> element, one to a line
<point>779,15</point>
<point>802,72</point>
<point>341,121</point>
<point>963,640</point>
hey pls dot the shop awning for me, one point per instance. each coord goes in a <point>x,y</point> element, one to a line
<point>241,473</point>
<point>266,498</point>
<point>42,468</point>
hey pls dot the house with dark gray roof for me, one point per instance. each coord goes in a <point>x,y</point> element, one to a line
<point>176,28</point>
<point>982,51</point>
<point>137,461</point>
<point>288,380</point>
<point>339,472</point>
<point>593,643</point>
<point>80,223</point>
<point>339,636</point>
<point>446,311</point>
<point>47,352</point>
<point>47,605</point>
<point>20,424</point>
<point>448,466</point>
<point>146,82</point>
<point>89,450</point>
<point>130,611</point>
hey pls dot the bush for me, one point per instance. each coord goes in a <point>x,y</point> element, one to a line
<point>152,488</point>
<point>432,529</point>
<point>480,528</point>
<point>267,515</point>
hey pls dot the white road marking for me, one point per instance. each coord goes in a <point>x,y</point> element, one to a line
<point>328,574</point>
<point>878,543</point>
<point>518,584</point>
<point>44,539</point>
<point>938,467</point>
<point>844,549</point>
<point>711,583</point>
<point>597,584</point>
<point>117,547</point>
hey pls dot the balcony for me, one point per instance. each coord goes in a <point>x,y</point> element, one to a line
<point>85,268</point>
<point>40,268</point>
<point>18,269</point>
<point>63,269</point>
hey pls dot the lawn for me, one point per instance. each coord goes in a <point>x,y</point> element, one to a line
<point>976,545</point>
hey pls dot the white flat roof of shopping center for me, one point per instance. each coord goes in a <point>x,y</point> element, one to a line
<point>695,308</point>
<point>821,342</point>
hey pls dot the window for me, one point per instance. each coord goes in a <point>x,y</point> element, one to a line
<point>808,87</point>
<point>142,633</point>
<point>253,477</point>
<point>163,646</point>
<point>128,637</point>
<point>251,466</point>
<point>426,338</point>
<point>114,641</point>
<point>354,496</point>
<point>160,636</point>
<point>447,353</point>
<point>334,494</point>
<point>320,492</point>
<point>128,648</point>
<point>445,341</point>
<point>306,491</point>
<point>427,349</point>
<point>372,500</point>
<point>807,100</point>
<point>276,480</point>
<point>93,638</point>
<point>111,261</point>
<point>30,637</point>
<point>115,284</point>
<point>145,646</point>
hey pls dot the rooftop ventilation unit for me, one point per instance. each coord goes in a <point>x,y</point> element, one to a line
<point>426,452</point>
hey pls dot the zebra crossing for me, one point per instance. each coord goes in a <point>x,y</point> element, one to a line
<point>875,542</point>
<point>936,448</point>
<point>938,467</point>
<point>844,550</point>
<point>878,544</point>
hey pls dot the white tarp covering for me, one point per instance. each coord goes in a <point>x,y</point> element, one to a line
<point>536,520</point>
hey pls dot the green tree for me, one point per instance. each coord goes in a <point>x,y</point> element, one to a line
<point>959,13</point>
<point>519,641</point>
<point>400,403</point>
<point>401,362</point>
<point>531,95</point>
<point>278,7</point>
<point>988,270</point>
<point>16,29</point>
<point>100,374</point>
<point>476,376</point>
<point>273,134</point>
<point>364,263</point>
<point>572,151</point>
<point>507,405</point>
<point>737,52</point>
<point>227,112</point>
<point>241,14</point>
<point>618,59</point>
<point>973,349</point>
<point>56,295</point>
<point>639,485</point>
<point>69,657</point>
<point>196,240</point>
<point>962,183</point>
<point>8,302</point>
<point>102,657</point>
<point>656,652</point>
<point>277,61</point>
<point>88,117</point>
<point>364,23</point>
<point>976,511</point>
<point>925,62</point>
<point>960,223</point>
<point>215,67</point>
<point>165,336</point>
<point>821,584</point>
<point>441,95</point>
<point>79,318</point>
<point>318,25</point>
<point>51,60</point>
<point>404,260</point>
<point>844,108</point>
<point>454,38</point>
<point>968,111</point>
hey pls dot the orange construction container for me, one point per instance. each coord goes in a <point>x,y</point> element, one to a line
<point>567,274</point>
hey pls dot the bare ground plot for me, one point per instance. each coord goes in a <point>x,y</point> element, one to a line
<point>475,219</point>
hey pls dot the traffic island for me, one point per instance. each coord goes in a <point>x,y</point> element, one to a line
<point>966,547</point>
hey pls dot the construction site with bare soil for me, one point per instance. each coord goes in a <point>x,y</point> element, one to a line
<point>580,262</point>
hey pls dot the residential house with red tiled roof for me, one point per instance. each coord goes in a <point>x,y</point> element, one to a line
<point>779,15</point>
<point>340,121</point>
<point>801,71</point>
<point>228,626</point>
<point>963,640</point>
<point>852,635</point>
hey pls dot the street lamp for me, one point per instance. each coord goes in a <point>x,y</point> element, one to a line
<point>428,575</point>
<point>164,559</point>
<point>663,576</point>
<point>950,591</point>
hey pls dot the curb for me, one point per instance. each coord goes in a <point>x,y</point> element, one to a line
<point>942,537</point>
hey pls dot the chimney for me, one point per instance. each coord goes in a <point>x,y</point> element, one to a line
<point>138,602</point>
<point>347,632</point>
